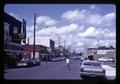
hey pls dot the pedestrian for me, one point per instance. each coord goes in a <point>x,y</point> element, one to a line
<point>68,63</point>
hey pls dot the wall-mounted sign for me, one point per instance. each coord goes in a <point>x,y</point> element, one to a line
<point>101,52</point>
<point>24,29</point>
<point>19,36</point>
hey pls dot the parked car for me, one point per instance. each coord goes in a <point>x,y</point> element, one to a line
<point>76,57</point>
<point>58,59</point>
<point>104,59</point>
<point>38,61</point>
<point>35,61</point>
<point>91,69</point>
<point>22,63</point>
<point>29,62</point>
<point>112,60</point>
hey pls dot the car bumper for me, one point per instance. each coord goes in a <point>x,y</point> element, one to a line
<point>21,65</point>
<point>92,74</point>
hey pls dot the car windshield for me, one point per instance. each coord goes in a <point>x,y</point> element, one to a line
<point>22,62</point>
<point>91,64</point>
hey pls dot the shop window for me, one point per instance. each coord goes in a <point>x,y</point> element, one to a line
<point>15,30</point>
<point>6,31</point>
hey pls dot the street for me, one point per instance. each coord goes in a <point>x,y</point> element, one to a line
<point>50,71</point>
<point>47,70</point>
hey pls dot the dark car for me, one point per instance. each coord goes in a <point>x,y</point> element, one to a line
<point>30,63</point>
<point>35,61</point>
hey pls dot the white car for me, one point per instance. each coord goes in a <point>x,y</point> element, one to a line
<point>111,60</point>
<point>103,59</point>
<point>22,63</point>
<point>91,69</point>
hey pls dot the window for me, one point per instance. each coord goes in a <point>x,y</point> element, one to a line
<point>15,30</point>
<point>6,26</point>
<point>6,30</point>
<point>91,64</point>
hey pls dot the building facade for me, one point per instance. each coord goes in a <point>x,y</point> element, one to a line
<point>97,53</point>
<point>40,52</point>
<point>12,40</point>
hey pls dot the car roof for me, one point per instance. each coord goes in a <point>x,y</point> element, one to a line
<point>91,61</point>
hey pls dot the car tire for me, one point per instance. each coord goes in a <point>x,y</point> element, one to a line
<point>84,77</point>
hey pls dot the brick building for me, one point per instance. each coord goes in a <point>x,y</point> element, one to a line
<point>40,52</point>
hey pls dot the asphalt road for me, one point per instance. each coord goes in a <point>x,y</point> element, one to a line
<point>49,71</point>
<point>46,71</point>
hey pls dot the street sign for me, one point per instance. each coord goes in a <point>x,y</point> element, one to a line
<point>24,29</point>
<point>19,36</point>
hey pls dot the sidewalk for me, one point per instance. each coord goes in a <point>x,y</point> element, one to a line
<point>110,72</point>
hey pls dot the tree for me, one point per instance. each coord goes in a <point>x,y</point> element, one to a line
<point>111,47</point>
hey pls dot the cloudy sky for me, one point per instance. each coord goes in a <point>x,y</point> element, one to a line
<point>80,25</point>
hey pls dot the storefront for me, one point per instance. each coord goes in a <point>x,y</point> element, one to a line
<point>13,53</point>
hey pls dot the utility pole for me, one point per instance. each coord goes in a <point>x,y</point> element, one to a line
<point>28,41</point>
<point>97,44</point>
<point>59,41</point>
<point>34,36</point>
<point>64,48</point>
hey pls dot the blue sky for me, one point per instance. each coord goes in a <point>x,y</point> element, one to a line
<point>77,24</point>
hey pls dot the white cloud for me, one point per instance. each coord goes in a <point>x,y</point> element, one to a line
<point>86,16</point>
<point>108,19</point>
<point>75,39</point>
<point>79,44</point>
<point>46,31</point>
<point>74,15</point>
<point>92,6</point>
<point>67,29</point>
<point>61,30</point>
<point>97,33</point>
<point>29,30</point>
<point>89,32</point>
<point>109,16</point>
<point>45,20</point>
<point>106,43</point>
<point>45,34</point>
<point>104,20</point>
<point>68,43</point>
<point>85,33</point>
<point>43,40</point>
<point>94,19</point>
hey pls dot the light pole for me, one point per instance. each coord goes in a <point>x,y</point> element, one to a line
<point>64,48</point>
<point>28,40</point>
<point>59,41</point>
<point>34,36</point>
